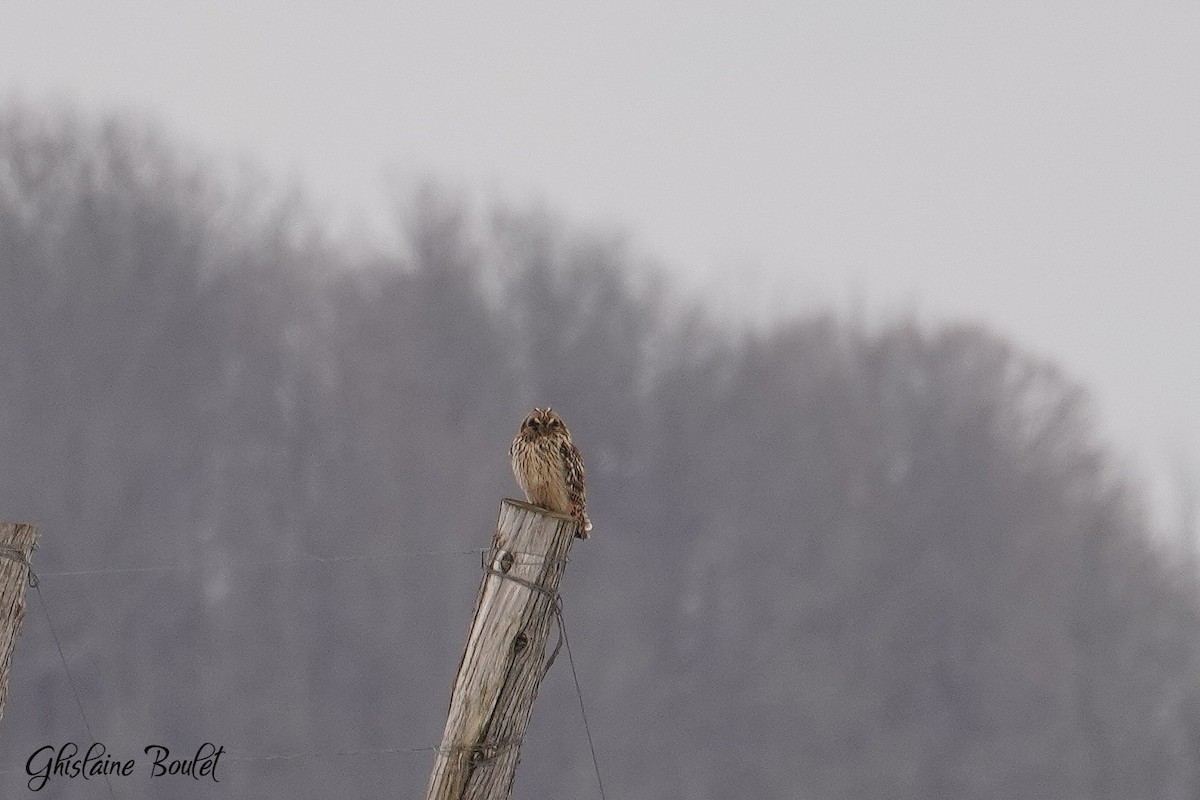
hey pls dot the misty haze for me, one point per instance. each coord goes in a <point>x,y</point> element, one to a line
<point>831,558</point>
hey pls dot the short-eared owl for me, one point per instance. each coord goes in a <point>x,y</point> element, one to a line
<point>549,468</point>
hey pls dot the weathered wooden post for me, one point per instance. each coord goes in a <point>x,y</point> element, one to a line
<point>17,540</point>
<point>504,659</point>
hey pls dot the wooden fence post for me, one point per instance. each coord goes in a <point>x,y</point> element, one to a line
<point>504,658</point>
<point>17,540</point>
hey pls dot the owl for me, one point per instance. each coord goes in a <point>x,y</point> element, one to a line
<point>549,467</point>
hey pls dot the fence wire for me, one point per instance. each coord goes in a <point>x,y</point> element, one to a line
<point>481,553</point>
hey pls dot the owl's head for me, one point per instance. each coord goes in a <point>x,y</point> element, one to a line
<point>542,422</point>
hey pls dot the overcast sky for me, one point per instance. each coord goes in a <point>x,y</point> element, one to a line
<point>1035,166</point>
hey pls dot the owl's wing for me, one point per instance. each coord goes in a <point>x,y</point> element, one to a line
<point>573,464</point>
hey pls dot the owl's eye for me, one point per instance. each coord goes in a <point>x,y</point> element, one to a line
<point>553,423</point>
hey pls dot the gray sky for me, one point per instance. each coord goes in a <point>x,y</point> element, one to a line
<point>1035,166</point>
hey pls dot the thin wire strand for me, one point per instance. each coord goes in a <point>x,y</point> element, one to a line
<point>305,755</point>
<point>268,562</point>
<point>336,754</point>
<point>70,678</point>
<point>298,756</point>
<point>579,693</point>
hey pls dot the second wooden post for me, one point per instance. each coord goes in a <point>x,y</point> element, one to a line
<point>17,540</point>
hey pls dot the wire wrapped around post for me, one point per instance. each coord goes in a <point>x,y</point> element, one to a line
<point>505,655</point>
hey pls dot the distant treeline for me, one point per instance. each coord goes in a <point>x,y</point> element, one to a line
<point>830,560</point>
